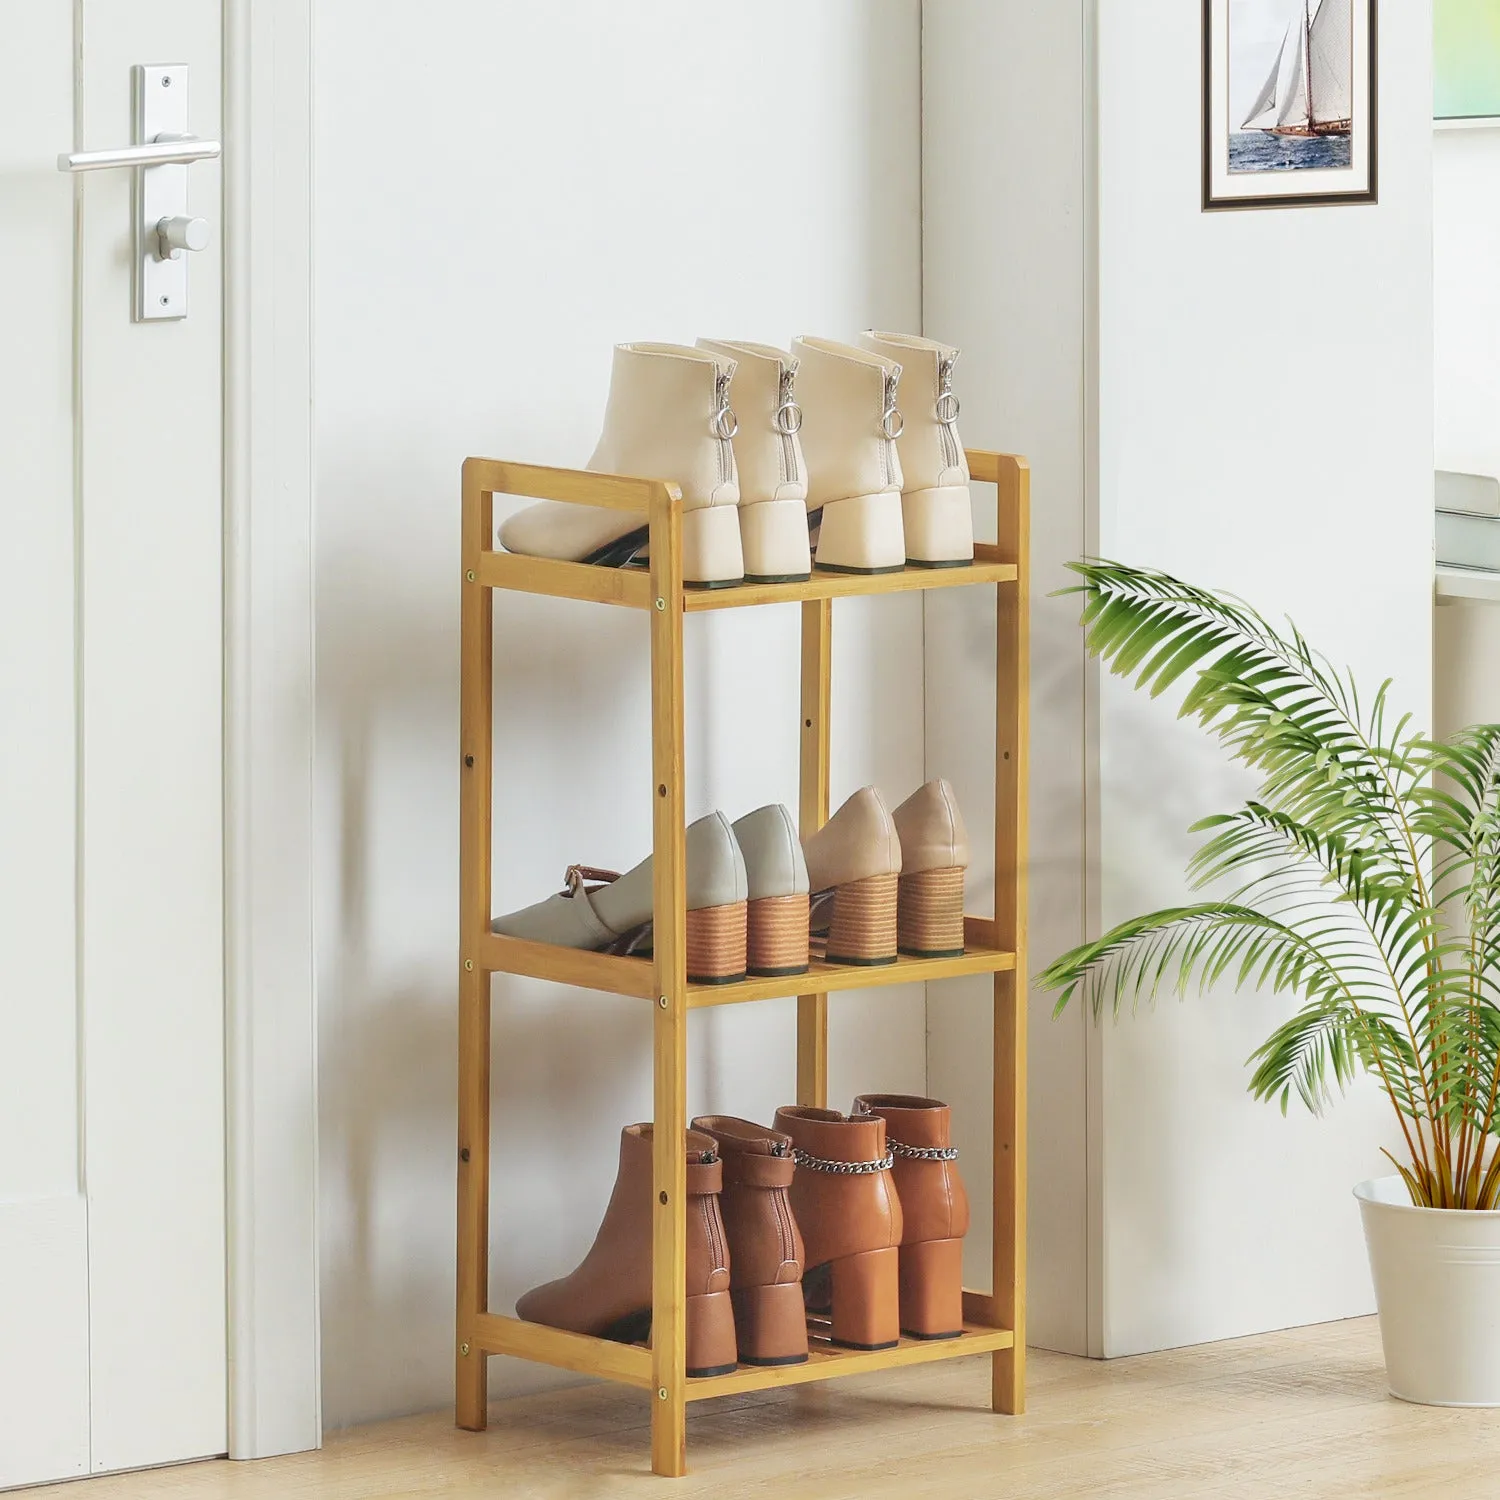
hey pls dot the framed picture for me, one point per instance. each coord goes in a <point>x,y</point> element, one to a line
<point>1466,61</point>
<point>1289,102</point>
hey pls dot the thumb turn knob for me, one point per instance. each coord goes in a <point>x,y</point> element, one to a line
<point>179,233</point>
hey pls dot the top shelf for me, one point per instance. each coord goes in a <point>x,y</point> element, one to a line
<point>632,588</point>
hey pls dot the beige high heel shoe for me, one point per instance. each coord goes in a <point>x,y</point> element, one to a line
<point>772,470</point>
<point>934,860</point>
<point>849,431</point>
<point>936,511</point>
<point>853,867</point>
<point>668,417</point>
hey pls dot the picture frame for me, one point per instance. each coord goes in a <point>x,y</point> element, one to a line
<point>1290,103</point>
<point>1466,64</point>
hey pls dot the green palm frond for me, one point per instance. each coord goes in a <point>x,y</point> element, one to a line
<point>1364,877</point>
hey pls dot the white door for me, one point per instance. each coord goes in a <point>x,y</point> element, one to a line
<point>112,1275</point>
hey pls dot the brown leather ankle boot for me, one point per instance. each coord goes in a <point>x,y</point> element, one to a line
<point>935,1207</point>
<point>609,1295</point>
<point>765,1247</point>
<point>845,1201</point>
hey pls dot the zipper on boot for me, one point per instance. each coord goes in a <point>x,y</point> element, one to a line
<point>784,1228</point>
<point>724,424</point>
<point>946,411</point>
<point>891,421</point>
<point>788,421</point>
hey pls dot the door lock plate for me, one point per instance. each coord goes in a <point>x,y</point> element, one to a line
<point>161,112</point>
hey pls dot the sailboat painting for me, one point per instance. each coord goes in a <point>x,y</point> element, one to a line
<point>1289,102</point>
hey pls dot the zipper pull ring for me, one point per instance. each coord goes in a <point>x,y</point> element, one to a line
<point>788,418</point>
<point>724,424</point>
<point>892,423</point>
<point>947,408</point>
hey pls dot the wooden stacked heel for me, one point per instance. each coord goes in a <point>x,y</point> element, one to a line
<point>777,935</point>
<point>717,943</point>
<point>930,913</point>
<point>862,927</point>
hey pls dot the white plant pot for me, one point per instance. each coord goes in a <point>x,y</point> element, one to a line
<point>1437,1285</point>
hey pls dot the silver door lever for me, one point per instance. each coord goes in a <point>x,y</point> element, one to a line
<point>164,151</point>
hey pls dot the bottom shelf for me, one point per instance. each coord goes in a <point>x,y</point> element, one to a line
<point>631,1363</point>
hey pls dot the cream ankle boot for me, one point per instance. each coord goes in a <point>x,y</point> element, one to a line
<point>848,399</point>
<point>935,506</point>
<point>668,417</point>
<point>773,475</point>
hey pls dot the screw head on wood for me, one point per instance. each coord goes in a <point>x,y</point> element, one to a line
<point>468,963</point>
<point>661,1393</point>
<point>470,575</point>
<point>463,1348</point>
<point>661,603</point>
<point>662,1001</point>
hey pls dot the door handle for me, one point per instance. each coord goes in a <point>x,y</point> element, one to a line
<point>165,151</point>
<point>162,226</point>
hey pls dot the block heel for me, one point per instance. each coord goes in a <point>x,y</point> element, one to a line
<point>862,926</point>
<point>710,1335</point>
<point>930,913</point>
<point>932,1289</point>
<point>770,1324</point>
<point>777,936</point>
<point>866,1300</point>
<point>863,534</point>
<point>712,557</point>
<point>717,940</point>
<point>939,526</point>
<point>773,535</point>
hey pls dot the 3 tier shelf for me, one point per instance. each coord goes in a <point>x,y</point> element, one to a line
<point>994,1320</point>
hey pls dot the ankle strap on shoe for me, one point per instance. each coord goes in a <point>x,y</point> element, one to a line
<point>922,1153</point>
<point>842,1168</point>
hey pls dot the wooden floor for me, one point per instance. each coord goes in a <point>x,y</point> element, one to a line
<point>1301,1413</point>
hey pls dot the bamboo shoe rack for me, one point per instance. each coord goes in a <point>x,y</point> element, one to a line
<point>994,1320</point>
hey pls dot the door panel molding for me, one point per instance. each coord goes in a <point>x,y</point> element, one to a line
<point>271,1056</point>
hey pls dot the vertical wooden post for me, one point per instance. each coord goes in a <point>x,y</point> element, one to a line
<point>669,1050</point>
<point>1012,737</point>
<point>812,814</point>
<point>476,790</point>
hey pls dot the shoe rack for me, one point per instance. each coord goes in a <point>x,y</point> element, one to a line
<point>994,1320</point>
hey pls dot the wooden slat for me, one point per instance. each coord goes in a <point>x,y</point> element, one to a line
<point>590,971</point>
<point>565,580</point>
<point>628,1363</point>
<point>1012,740</point>
<point>981,932</point>
<point>669,1039</point>
<point>981,1309</point>
<point>498,476</point>
<point>987,568</point>
<point>476,736</point>
<point>828,977</point>
<point>827,1363</point>
<point>812,814</point>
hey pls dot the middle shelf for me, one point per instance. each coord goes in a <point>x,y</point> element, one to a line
<point>615,975</point>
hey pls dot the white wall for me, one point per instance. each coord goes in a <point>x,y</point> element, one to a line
<point>1204,1214</point>
<point>497,204</point>
<point>1222,461</point>
<point>1466,298</point>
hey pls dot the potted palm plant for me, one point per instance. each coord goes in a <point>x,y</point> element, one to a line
<point>1364,878</point>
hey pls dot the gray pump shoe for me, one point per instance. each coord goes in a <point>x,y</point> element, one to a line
<point>600,910</point>
<point>778,891</point>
